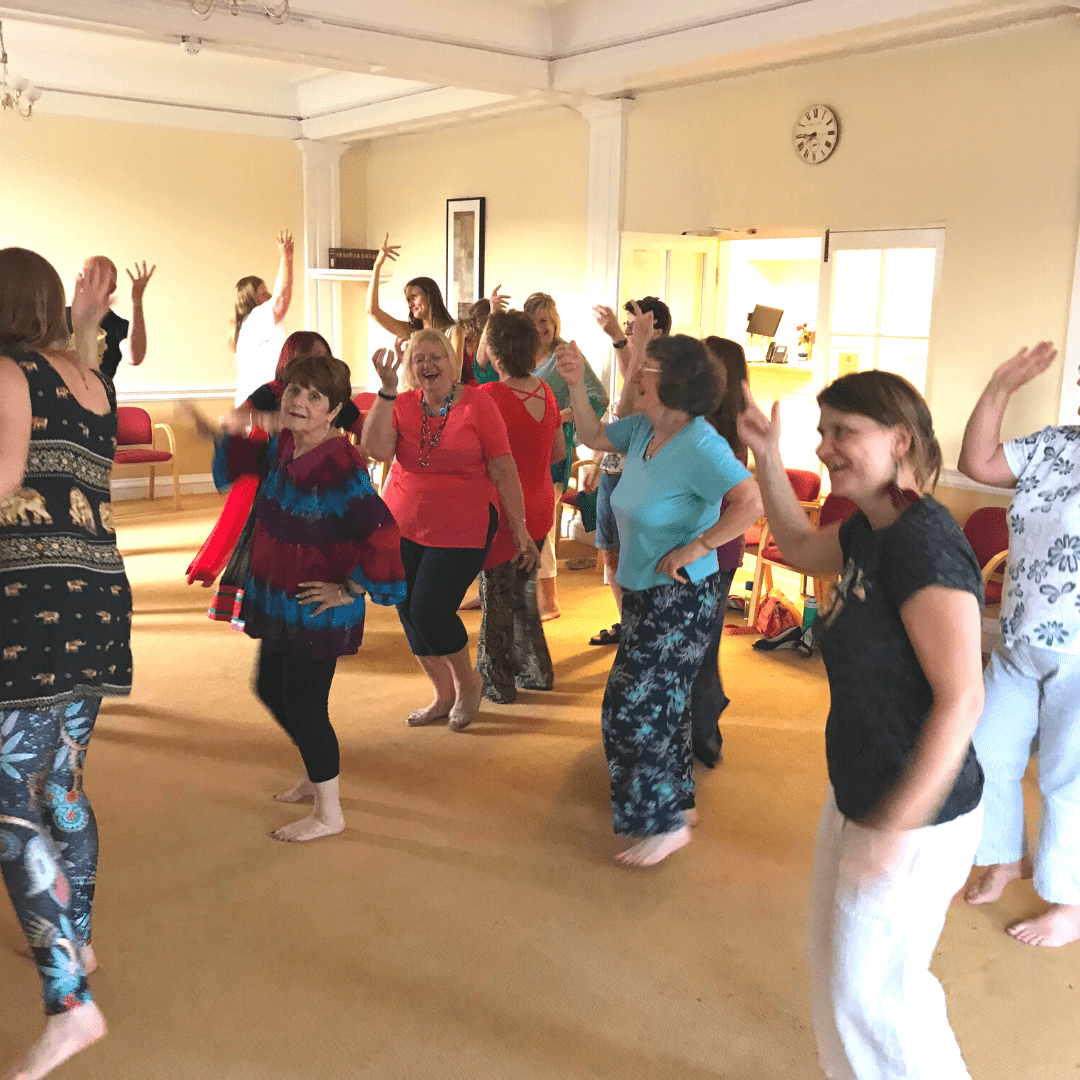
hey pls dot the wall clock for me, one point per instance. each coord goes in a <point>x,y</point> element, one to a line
<point>815,134</point>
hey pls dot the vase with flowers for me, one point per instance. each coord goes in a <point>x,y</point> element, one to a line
<point>806,340</point>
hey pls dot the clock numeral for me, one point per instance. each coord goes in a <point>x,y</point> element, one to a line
<point>832,131</point>
<point>828,144</point>
<point>815,114</point>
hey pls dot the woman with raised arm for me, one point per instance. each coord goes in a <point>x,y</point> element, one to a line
<point>452,469</point>
<point>667,509</point>
<point>322,540</point>
<point>1033,679</point>
<point>66,629</point>
<point>427,310</point>
<point>901,642</point>
<point>259,322</point>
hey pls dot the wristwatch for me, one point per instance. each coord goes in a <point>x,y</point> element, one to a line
<point>621,344</point>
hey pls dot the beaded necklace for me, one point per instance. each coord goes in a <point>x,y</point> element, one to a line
<point>428,443</point>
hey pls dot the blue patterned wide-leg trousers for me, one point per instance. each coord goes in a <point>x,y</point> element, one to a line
<point>48,840</point>
<point>646,710</point>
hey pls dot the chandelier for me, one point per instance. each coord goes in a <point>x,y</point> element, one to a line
<point>276,13</point>
<point>20,94</point>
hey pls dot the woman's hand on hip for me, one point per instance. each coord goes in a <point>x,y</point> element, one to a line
<point>327,594</point>
<point>676,559</point>
<point>527,557</point>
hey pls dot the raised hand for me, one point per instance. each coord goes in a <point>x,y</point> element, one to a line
<point>640,324</point>
<point>570,363</point>
<point>93,290</point>
<point>285,243</point>
<point>387,251</point>
<point>386,363</point>
<point>759,432</point>
<point>139,280</point>
<point>498,300</point>
<point>1023,367</point>
<point>608,321</point>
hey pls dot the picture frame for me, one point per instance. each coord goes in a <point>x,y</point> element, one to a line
<point>464,254</point>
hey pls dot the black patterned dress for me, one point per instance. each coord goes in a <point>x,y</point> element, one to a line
<point>65,609</point>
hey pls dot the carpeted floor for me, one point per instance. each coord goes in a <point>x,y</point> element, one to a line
<point>470,924</point>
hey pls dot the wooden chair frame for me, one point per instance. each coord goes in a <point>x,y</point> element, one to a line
<point>153,465</point>
<point>763,580</point>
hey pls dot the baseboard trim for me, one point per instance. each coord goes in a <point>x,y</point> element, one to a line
<point>138,487</point>
<point>954,478</point>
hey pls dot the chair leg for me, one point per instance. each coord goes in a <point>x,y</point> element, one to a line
<point>175,485</point>
<point>755,592</point>
<point>153,482</point>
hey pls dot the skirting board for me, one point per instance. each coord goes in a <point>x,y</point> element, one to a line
<point>138,487</point>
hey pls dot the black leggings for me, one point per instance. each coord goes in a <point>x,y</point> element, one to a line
<point>296,689</point>
<point>707,698</point>
<point>437,579</point>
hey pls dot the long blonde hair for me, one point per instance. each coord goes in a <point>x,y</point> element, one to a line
<point>247,300</point>
<point>436,337</point>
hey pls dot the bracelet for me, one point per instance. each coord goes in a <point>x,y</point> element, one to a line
<point>342,597</point>
<point>621,344</point>
<point>385,396</point>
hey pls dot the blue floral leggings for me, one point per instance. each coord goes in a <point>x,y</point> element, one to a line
<point>646,712</point>
<point>48,840</point>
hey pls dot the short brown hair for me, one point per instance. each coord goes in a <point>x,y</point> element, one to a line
<point>32,303</point>
<point>513,338</point>
<point>327,374</point>
<point>891,401</point>
<point>689,377</point>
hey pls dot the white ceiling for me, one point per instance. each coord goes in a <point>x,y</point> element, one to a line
<point>342,69</point>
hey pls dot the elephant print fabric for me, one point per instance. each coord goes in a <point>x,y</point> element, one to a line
<point>48,840</point>
<point>62,576</point>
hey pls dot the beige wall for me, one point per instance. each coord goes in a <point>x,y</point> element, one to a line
<point>981,136</point>
<point>203,206</point>
<point>533,171</point>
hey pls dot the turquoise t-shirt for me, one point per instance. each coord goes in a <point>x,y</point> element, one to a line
<point>665,502</point>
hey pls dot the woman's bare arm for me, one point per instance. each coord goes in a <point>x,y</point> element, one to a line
<point>15,416</point>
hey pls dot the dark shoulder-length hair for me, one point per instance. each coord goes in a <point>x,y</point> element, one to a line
<point>732,359</point>
<point>32,303</point>
<point>299,343</point>
<point>440,317</point>
<point>689,377</point>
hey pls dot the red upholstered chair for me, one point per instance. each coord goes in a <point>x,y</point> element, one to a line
<point>987,531</point>
<point>135,446</point>
<point>835,508</point>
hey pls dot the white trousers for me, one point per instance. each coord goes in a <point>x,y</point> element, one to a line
<point>548,565</point>
<point>878,1012</point>
<point>1033,701</point>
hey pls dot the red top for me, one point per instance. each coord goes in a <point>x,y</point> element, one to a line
<point>445,503</point>
<point>531,443</point>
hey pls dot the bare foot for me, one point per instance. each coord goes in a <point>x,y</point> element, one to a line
<point>652,849</point>
<point>1058,925</point>
<point>547,616</point>
<point>86,955</point>
<point>437,710</point>
<point>990,884</point>
<point>471,604</point>
<point>468,704</point>
<point>690,817</point>
<point>64,1036</point>
<point>309,828</point>
<point>301,791</point>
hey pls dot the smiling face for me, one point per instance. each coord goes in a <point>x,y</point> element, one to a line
<point>431,370</point>
<point>544,320</point>
<point>860,454</point>
<point>306,412</point>
<point>647,383</point>
<point>419,306</point>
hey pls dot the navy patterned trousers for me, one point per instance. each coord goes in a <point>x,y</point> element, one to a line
<point>48,840</point>
<point>646,711</point>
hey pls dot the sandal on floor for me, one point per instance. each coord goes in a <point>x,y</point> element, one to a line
<point>607,637</point>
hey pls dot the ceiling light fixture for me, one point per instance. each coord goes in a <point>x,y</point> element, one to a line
<point>20,94</point>
<point>276,13</point>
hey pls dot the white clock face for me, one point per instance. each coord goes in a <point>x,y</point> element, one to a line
<point>815,134</point>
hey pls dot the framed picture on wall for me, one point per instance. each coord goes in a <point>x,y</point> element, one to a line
<point>464,254</point>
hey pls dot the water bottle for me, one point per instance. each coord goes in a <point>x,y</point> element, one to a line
<point>809,613</point>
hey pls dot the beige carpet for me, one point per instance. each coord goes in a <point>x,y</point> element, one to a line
<point>470,925</point>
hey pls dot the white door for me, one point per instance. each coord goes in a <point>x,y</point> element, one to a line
<point>875,302</point>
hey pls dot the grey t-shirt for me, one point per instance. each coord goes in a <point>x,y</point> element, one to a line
<point>880,696</point>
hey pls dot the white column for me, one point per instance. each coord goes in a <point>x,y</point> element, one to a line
<point>322,230</point>
<point>607,176</point>
<point>1070,392</point>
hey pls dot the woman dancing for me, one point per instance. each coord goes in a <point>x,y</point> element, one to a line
<point>452,468</point>
<point>259,322</point>
<point>512,650</point>
<point>426,307</point>
<point>322,539</point>
<point>667,509</point>
<point>901,644</point>
<point>1032,681</point>
<point>66,629</point>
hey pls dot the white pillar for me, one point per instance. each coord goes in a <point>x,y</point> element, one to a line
<point>322,230</point>
<point>607,176</point>
<point>1070,392</point>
